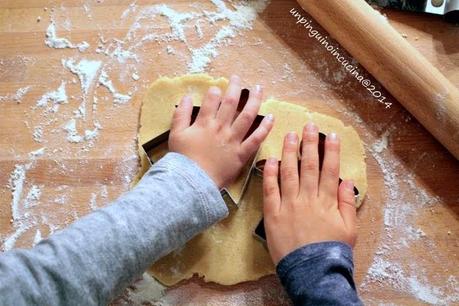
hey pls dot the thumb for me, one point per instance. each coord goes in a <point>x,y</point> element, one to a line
<point>182,115</point>
<point>346,204</point>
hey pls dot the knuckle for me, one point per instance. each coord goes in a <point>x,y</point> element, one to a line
<point>246,118</point>
<point>289,174</point>
<point>332,146</point>
<point>352,236</point>
<point>331,171</point>
<point>348,201</point>
<point>269,190</point>
<point>310,139</point>
<point>347,197</point>
<point>244,155</point>
<point>214,91</point>
<point>218,125</point>
<point>290,148</point>
<point>258,137</point>
<point>230,100</point>
<point>310,164</point>
<point>177,114</point>
<point>272,218</point>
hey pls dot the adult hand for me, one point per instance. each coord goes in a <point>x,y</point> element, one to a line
<point>309,206</point>
<point>216,139</point>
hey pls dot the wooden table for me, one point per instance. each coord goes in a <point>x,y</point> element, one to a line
<point>408,245</point>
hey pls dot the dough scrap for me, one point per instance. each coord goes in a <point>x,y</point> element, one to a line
<point>227,253</point>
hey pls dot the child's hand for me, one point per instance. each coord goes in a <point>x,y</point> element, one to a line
<point>308,207</point>
<point>216,139</point>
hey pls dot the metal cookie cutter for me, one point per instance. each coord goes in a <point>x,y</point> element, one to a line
<point>157,147</point>
<point>447,8</point>
<point>259,167</point>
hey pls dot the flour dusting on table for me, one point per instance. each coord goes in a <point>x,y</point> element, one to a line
<point>96,83</point>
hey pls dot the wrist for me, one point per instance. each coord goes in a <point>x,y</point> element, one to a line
<point>315,251</point>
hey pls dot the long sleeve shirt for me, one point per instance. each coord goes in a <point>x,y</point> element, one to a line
<point>319,274</point>
<point>95,258</point>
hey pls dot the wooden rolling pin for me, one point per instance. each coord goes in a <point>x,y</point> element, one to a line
<point>423,90</point>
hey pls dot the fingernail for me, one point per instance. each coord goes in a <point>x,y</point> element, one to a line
<point>270,117</point>
<point>349,184</point>
<point>215,91</point>
<point>291,137</point>
<point>258,88</point>
<point>332,136</point>
<point>186,100</point>
<point>271,161</point>
<point>234,78</point>
<point>311,127</point>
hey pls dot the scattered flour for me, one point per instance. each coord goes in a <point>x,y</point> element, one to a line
<point>236,20</point>
<point>400,231</point>
<point>93,201</point>
<point>74,137</point>
<point>381,144</point>
<point>61,199</point>
<point>20,93</point>
<point>86,70</point>
<point>289,74</point>
<point>33,196</point>
<point>122,55</point>
<point>131,9</point>
<point>16,97</point>
<point>37,237</point>
<point>198,29</point>
<point>239,19</point>
<point>10,241</point>
<point>55,42</point>
<point>57,97</point>
<point>37,153</point>
<point>92,134</point>
<point>38,134</point>
<point>104,192</point>
<point>118,98</point>
<point>170,50</point>
<point>17,179</point>
<point>72,133</point>
<point>135,76</point>
<point>146,290</point>
<point>21,220</point>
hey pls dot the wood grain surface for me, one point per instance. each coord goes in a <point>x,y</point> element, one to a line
<point>407,252</point>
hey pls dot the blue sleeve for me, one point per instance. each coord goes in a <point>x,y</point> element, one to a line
<point>319,274</point>
<point>96,257</point>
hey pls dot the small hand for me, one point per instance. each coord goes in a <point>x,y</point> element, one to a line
<point>307,207</point>
<point>216,139</point>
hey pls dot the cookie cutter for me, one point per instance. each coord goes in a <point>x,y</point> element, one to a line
<point>159,143</point>
<point>259,232</point>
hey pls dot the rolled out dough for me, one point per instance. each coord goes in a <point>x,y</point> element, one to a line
<point>227,253</point>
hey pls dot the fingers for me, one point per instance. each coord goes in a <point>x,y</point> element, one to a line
<point>227,110</point>
<point>289,167</point>
<point>309,180</point>
<point>245,119</point>
<point>251,145</point>
<point>182,115</point>
<point>329,177</point>
<point>210,105</point>
<point>346,204</point>
<point>271,195</point>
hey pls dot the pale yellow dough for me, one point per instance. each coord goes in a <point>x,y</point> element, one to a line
<point>227,253</point>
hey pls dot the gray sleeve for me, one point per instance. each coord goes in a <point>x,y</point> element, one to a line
<point>93,259</point>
